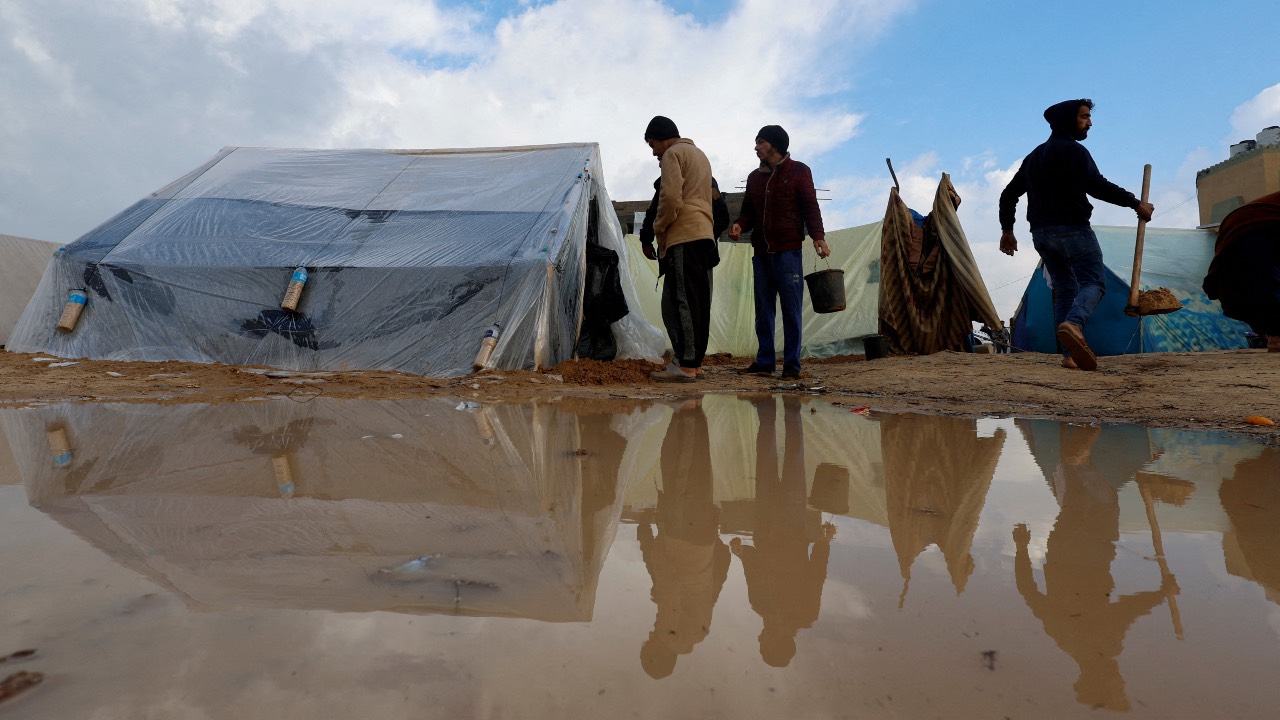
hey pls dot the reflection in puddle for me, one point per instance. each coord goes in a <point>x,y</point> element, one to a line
<point>1078,607</point>
<point>355,507</point>
<point>788,555</point>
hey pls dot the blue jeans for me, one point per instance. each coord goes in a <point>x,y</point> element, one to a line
<point>1074,261</point>
<point>778,277</point>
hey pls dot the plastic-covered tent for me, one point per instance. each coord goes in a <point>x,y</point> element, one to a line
<point>411,255</point>
<point>1171,258</point>
<point>854,250</point>
<point>22,260</point>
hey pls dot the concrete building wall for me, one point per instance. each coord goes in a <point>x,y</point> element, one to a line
<point>1234,182</point>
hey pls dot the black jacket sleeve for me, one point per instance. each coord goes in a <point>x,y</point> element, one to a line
<point>1016,188</point>
<point>646,228</point>
<point>719,211</point>
<point>1104,189</point>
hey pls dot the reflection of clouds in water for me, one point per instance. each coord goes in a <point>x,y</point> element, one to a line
<point>1035,549</point>
<point>840,598</point>
<point>987,427</point>
<point>1018,482</point>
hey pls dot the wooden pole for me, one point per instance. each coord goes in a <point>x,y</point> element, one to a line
<point>1132,309</point>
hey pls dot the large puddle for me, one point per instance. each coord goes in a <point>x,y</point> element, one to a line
<point>738,558</point>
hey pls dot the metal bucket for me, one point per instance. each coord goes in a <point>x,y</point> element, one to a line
<point>826,290</point>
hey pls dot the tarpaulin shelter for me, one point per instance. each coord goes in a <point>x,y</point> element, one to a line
<point>413,506</point>
<point>1172,258</point>
<point>931,291</point>
<point>22,261</point>
<point>411,256</point>
<point>854,250</point>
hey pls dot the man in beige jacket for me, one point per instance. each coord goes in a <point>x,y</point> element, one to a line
<point>686,247</point>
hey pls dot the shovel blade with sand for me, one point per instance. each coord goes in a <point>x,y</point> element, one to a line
<point>1147,302</point>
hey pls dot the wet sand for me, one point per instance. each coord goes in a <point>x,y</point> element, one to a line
<point>767,555</point>
<point>1183,390</point>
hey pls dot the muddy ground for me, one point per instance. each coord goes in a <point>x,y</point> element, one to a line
<point>1186,390</point>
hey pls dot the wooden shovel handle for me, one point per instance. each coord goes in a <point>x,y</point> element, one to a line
<point>1158,545</point>
<point>1137,250</point>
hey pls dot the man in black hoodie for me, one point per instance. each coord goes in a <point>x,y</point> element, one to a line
<point>1056,177</point>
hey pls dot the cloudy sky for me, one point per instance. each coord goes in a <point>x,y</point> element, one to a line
<point>104,102</point>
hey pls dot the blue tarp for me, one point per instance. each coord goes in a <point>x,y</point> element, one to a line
<point>1172,258</point>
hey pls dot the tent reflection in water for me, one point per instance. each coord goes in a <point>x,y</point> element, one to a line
<point>937,471</point>
<point>931,291</point>
<point>410,255</point>
<point>405,506</point>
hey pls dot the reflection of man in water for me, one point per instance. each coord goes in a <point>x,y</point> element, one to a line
<point>687,561</point>
<point>784,583</point>
<point>1076,606</point>
<point>1251,498</point>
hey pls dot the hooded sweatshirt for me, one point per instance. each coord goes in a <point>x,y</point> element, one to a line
<point>1057,176</point>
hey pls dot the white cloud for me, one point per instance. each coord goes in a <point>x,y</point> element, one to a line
<point>104,103</point>
<point>1260,111</point>
<point>577,71</point>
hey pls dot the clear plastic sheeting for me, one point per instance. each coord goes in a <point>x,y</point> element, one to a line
<point>411,256</point>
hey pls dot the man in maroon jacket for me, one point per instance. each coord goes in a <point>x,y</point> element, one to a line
<point>779,206</point>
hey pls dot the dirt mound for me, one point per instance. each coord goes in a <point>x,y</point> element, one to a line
<point>1157,302</point>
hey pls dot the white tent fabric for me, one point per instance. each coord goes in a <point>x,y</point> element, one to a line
<point>854,250</point>
<point>22,261</point>
<point>412,255</point>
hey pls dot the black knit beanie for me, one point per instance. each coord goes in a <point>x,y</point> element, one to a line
<point>661,128</point>
<point>775,136</point>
